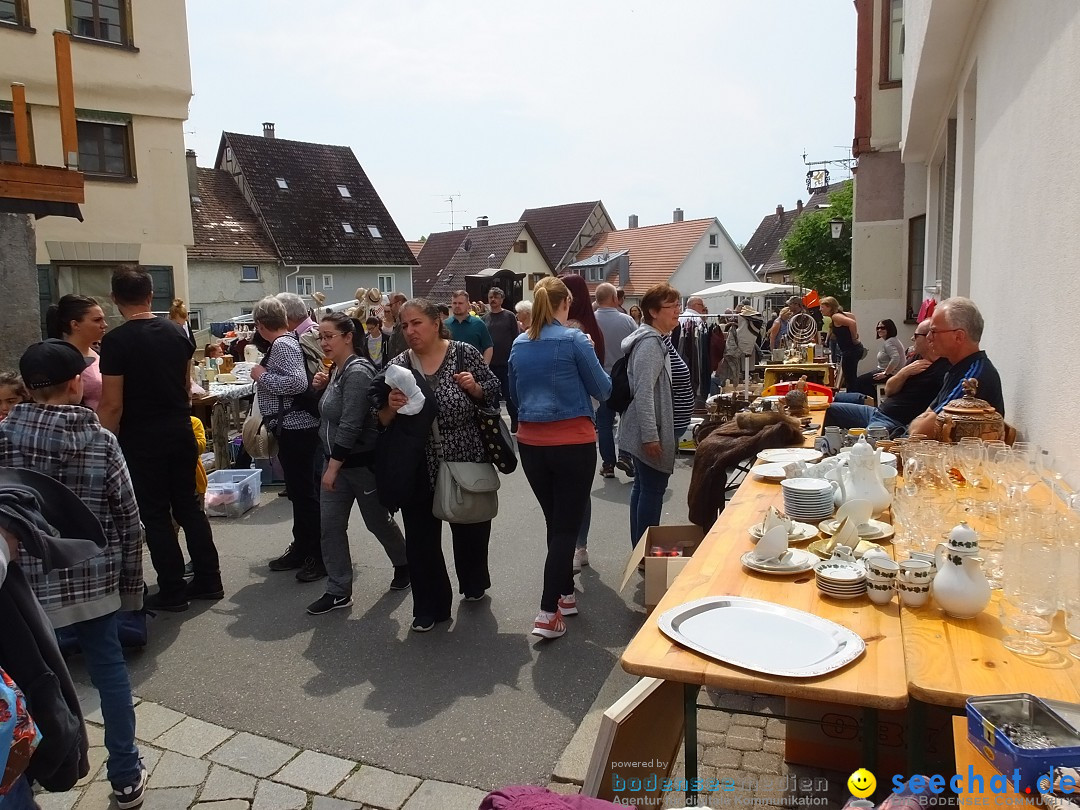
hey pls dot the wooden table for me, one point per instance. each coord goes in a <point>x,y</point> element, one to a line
<point>875,681</point>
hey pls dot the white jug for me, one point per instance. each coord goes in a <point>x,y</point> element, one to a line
<point>960,586</point>
<point>862,480</point>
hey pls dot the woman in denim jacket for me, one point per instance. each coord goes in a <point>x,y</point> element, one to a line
<point>553,372</point>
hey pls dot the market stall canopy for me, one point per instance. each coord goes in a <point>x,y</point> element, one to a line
<point>748,288</point>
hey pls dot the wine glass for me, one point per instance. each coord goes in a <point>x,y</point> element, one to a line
<point>970,455</point>
<point>1070,577</point>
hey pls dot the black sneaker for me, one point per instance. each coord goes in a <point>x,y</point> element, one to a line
<point>197,590</point>
<point>175,603</point>
<point>401,579</point>
<point>626,465</point>
<point>422,624</point>
<point>288,561</point>
<point>131,796</point>
<point>312,571</point>
<point>326,603</point>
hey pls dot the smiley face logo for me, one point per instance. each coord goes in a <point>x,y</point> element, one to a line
<point>862,783</point>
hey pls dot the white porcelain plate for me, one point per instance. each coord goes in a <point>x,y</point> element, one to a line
<point>731,629</point>
<point>805,485</point>
<point>770,472</point>
<point>786,455</point>
<point>879,529</point>
<point>793,561</point>
<point>799,532</point>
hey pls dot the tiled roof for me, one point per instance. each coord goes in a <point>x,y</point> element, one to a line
<point>437,252</point>
<point>305,219</point>
<point>557,226</point>
<point>762,251</point>
<point>224,226</point>
<point>478,249</point>
<point>415,247</point>
<point>656,251</point>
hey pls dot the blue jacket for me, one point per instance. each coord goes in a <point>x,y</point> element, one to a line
<point>552,378</point>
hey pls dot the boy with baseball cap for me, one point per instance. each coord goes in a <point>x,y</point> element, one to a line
<point>57,436</point>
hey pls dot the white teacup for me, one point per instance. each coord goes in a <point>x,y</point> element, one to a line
<point>916,572</point>
<point>857,511</point>
<point>772,544</point>
<point>912,594</point>
<point>881,567</point>
<point>842,552</point>
<point>879,589</point>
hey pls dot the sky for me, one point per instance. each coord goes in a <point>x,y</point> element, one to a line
<point>704,105</point>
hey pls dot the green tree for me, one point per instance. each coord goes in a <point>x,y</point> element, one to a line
<point>816,259</point>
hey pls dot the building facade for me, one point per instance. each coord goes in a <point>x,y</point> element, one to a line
<point>132,81</point>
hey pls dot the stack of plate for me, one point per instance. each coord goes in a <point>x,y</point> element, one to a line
<point>807,498</point>
<point>840,579</point>
<point>792,561</point>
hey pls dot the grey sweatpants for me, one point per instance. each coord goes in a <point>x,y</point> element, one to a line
<point>354,484</point>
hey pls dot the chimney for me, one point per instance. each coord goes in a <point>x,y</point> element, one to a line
<point>677,216</point>
<point>192,173</point>
<point>633,221</point>
<point>268,129</point>
<point>481,222</point>
<point>779,212</point>
<point>798,206</point>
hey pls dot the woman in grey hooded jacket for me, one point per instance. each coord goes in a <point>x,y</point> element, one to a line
<point>660,409</point>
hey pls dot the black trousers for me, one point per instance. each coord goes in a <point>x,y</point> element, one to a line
<point>162,468</point>
<point>503,373</point>
<point>297,452</point>
<point>431,589</point>
<point>561,479</point>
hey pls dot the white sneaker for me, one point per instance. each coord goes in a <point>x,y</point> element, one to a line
<point>581,559</point>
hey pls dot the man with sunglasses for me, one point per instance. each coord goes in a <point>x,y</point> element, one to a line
<point>907,393</point>
<point>956,328</point>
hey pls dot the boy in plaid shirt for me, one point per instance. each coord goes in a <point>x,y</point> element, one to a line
<point>56,436</point>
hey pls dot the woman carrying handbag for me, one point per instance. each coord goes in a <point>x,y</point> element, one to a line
<point>455,437</point>
<point>553,372</point>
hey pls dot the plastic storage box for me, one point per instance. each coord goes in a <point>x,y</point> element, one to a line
<point>231,493</point>
<point>1021,733</point>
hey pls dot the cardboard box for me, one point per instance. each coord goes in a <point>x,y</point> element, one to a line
<point>833,738</point>
<point>660,572</point>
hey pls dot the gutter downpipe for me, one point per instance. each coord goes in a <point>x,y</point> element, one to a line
<point>295,272</point>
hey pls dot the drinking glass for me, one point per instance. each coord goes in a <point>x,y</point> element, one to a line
<point>1070,577</point>
<point>970,455</point>
<point>1031,579</point>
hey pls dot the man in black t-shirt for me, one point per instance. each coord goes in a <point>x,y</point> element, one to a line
<point>956,328</point>
<point>146,402</point>
<point>907,393</point>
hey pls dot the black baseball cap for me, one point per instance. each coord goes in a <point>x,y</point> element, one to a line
<point>51,362</point>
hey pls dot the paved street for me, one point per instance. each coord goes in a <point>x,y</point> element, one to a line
<point>477,703</point>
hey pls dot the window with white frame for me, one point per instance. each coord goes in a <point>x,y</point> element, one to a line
<point>249,272</point>
<point>246,310</point>
<point>194,319</point>
<point>345,226</point>
<point>375,233</point>
<point>713,271</point>
<point>282,183</point>
<point>305,285</point>
<point>344,191</point>
<point>714,239</point>
<point>327,281</point>
<point>386,283</point>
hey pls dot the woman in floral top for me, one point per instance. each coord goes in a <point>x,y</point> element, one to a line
<point>457,393</point>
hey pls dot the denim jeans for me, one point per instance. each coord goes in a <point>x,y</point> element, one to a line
<point>19,797</point>
<point>108,672</point>
<point>354,485</point>
<point>560,477</point>
<point>646,498</point>
<point>851,415</point>
<point>605,433</point>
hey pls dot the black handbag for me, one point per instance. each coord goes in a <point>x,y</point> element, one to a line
<point>498,443</point>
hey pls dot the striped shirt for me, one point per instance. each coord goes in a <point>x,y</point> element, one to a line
<point>682,389</point>
<point>975,365</point>
<point>285,377</point>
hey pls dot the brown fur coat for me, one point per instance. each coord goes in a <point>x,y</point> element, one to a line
<point>726,445</point>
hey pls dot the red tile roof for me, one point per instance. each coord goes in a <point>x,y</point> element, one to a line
<point>656,251</point>
<point>415,247</point>
<point>224,226</point>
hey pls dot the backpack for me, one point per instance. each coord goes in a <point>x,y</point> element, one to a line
<point>307,401</point>
<point>621,393</point>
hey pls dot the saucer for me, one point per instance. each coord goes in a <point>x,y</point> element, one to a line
<point>821,548</point>
<point>799,532</point>
<point>840,572</point>
<point>770,472</point>
<point>786,455</point>
<point>795,562</point>
<point>879,530</point>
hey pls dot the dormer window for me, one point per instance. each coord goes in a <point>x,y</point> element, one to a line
<point>345,226</point>
<point>344,191</point>
<point>281,183</point>
<point>375,234</point>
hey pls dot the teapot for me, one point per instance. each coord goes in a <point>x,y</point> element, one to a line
<point>960,586</point>
<point>862,479</point>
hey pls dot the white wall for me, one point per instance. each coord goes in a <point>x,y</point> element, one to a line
<point>1023,184</point>
<point>690,277</point>
<point>218,293</point>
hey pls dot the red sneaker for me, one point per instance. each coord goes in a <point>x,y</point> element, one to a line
<point>549,628</point>
<point>568,605</point>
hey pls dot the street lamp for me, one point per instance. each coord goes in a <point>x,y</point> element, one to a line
<point>837,226</point>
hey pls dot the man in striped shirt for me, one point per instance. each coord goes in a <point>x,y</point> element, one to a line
<point>956,328</point>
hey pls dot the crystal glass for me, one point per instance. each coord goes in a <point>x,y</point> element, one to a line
<point>1070,577</point>
<point>969,457</point>
<point>1030,592</point>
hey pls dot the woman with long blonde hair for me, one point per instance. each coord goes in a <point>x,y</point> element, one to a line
<point>845,332</point>
<point>553,373</point>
